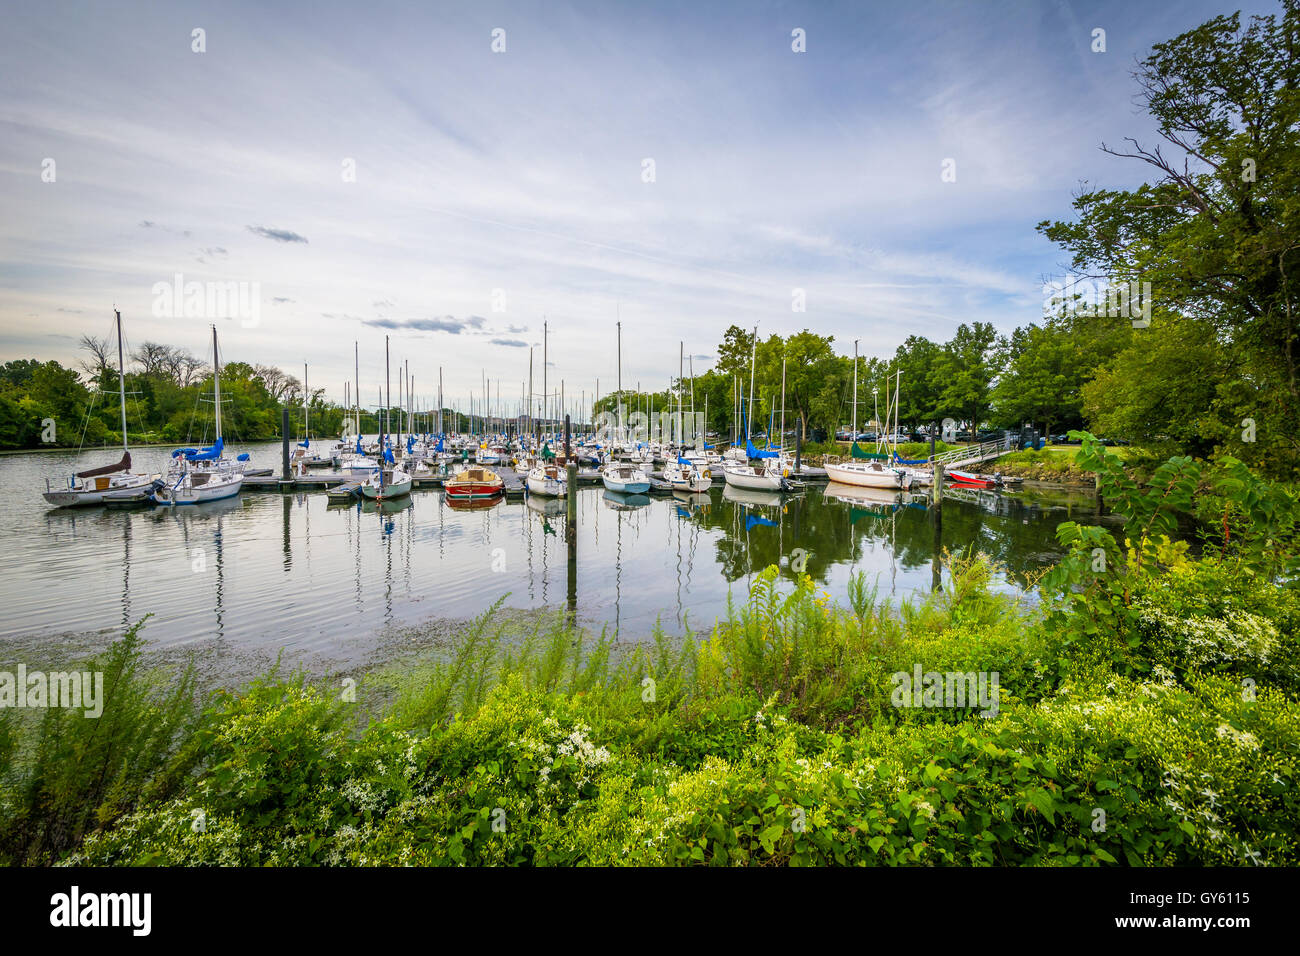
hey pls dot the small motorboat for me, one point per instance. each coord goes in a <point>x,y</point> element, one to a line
<point>471,484</point>
<point>970,479</point>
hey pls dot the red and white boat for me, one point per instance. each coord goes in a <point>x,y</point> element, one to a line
<point>970,479</point>
<point>475,483</point>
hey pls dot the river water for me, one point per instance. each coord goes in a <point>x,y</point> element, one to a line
<point>268,572</point>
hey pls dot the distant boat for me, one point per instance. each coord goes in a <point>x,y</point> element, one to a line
<point>94,486</point>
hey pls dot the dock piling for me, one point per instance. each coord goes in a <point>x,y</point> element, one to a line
<point>284,443</point>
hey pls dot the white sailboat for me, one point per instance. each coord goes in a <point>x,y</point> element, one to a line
<point>110,482</point>
<point>759,470</point>
<point>398,481</point>
<point>548,480</point>
<point>685,475</point>
<point>203,475</point>
<point>876,471</point>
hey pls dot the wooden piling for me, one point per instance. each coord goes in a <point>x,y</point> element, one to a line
<point>284,443</point>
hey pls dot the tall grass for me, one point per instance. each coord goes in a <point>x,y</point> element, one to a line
<point>68,775</point>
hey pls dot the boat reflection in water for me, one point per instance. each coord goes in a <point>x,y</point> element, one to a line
<point>624,501</point>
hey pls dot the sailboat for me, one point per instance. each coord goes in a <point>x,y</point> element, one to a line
<point>867,469</point>
<point>399,481</point>
<point>623,477</point>
<point>759,470</point>
<point>94,486</point>
<point>685,475</point>
<point>202,475</point>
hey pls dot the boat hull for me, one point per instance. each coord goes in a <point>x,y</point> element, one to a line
<point>391,490</point>
<point>547,487</point>
<point>198,494</point>
<point>473,491</point>
<point>867,477</point>
<point>85,497</point>
<point>747,479</point>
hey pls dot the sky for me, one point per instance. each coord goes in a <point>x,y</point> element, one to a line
<point>452,175</point>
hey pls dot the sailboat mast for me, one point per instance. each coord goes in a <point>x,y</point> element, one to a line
<point>545,394</point>
<point>854,437</point>
<point>388,404</point>
<point>618,406</point>
<point>753,356</point>
<point>356,385</point>
<point>306,412</point>
<point>681,434</point>
<point>782,403</point>
<point>121,378</point>
<point>216,381</point>
<point>691,360</point>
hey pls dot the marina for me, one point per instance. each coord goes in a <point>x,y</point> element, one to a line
<point>286,566</point>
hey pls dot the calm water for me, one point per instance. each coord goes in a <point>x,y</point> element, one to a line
<point>269,571</point>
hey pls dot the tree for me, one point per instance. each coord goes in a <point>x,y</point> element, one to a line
<point>1216,234</point>
<point>963,371</point>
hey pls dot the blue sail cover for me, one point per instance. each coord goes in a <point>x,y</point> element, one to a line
<point>753,452</point>
<point>684,461</point>
<point>388,455</point>
<point>305,444</point>
<point>439,443</point>
<point>243,457</point>
<point>208,454</point>
<point>184,451</point>
<point>911,461</point>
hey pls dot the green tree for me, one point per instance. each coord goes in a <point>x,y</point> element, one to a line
<point>1216,233</point>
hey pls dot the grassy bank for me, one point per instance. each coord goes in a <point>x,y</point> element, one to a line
<point>1147,713</point>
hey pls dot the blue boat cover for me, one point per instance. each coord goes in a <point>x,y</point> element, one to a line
<point>208,454</point>
<point>243,457</point>
<point>753,452</point>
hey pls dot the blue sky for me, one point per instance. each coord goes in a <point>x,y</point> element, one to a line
<point>522,171</point>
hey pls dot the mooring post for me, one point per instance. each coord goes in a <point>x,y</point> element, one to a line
<point>571,502</point>
<point>284,442</point>
<point>936,509</point>
<point>798,449</point>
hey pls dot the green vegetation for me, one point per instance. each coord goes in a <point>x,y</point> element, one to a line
<point>169,399</point>
<point>1149,713</point>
